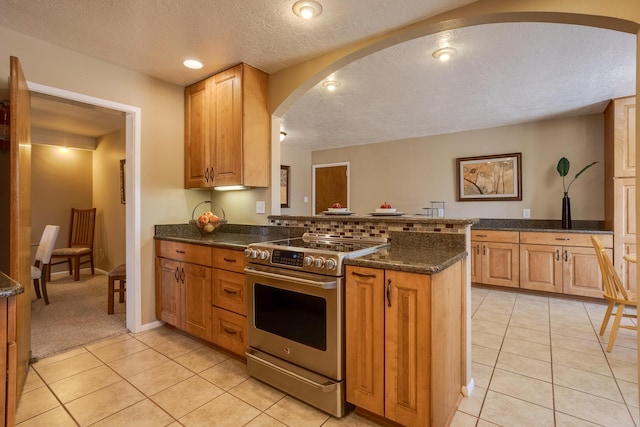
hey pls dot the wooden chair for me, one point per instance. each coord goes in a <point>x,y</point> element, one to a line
<point>81,230</point>
<point>615,293</point>
<point>118,274</point>
<point>41,265</point>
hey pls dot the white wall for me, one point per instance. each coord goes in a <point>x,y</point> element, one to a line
<point>300,180</point>
<point>411,173</point>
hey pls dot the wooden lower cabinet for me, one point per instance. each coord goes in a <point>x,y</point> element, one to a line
<point>561,263</point>
<point>229,299</point>
<point>495,258</point>
<point>404,343</point>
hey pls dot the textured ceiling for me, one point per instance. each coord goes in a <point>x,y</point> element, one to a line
<point>501,74</point>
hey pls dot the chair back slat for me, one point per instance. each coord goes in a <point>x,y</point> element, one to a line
<point>611,283</point>
<point>82,227</point>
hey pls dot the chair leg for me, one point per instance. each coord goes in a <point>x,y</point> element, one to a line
<point>93,272</point>
<point>607,315</point>
<point>36,286</point>
<point>614,328</point>
<point>110,296</point>
<point>70,266</point>
<point>44,286</point>
<point>76,271</point>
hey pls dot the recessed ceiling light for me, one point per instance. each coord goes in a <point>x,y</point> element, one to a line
<point>331,85</point>
<point>444,54</point>
<point>307,9</point>
<point>193,64</point>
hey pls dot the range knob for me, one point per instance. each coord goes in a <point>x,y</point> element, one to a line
<point>331,264</point>
<point>247,253</point>
<point>308,261</point>
<point>319,262</point>
<point>264,254</point>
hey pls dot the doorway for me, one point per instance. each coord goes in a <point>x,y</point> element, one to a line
<point>330,185</point>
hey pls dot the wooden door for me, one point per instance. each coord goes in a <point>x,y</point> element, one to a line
<point>331,187</point>
<point>226,127</point>
<point>476,262</point>
<point>19,329</point>
<point>365,338</point>
<point>196,136</point>
<point>168,290</point>
<point>581,272</point>
<point>541,267</point>
<point>407,348</point>
<point>500,264</point>
<point>196,300</point>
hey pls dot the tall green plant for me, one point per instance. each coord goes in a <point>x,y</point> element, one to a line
<point>563,170</point>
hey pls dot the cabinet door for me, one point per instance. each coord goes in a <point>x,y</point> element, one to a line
<point>581,272</point>
<point>168,291</point>
<point>196,300</point>
<point>229,291</point>
<point>196,136</point>
<point>541,267</point>
<point>407,348</point>
<point>365,338</point>
<point>226,127</point>
<point>500,264</point>
<point>624,229</point>
<point>476,262</point>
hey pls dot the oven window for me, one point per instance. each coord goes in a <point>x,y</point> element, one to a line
<point>292,315</point>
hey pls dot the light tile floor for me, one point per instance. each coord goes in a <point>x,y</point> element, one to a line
<point>537,361</point>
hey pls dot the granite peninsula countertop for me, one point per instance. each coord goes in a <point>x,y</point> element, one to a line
<point>9,287</point>
<point>541,225</point>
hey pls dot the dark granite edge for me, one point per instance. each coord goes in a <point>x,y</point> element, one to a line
<point>407,268</point>
<point>391,219</point>
<point>541,225</point>
<point>204,242</point>
<point>9,287</point>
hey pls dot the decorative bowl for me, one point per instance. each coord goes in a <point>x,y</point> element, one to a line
<point>208,222</point>
<point>337,209</point>
<point>386,210</point>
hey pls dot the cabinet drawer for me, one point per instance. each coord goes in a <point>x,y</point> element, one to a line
<point>228,291</point>
<point>495,236</point>
<point>230,330</point>
<point>228,259</point>
<point>564,239</point>
<point>194,254</point>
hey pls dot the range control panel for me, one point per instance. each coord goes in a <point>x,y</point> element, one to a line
<point>295,259</point>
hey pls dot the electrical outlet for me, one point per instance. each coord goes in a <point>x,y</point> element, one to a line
<point>526,213</point>
<point>306,199</point>
<point>260,207</point>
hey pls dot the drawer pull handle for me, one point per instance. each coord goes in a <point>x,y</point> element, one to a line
<point>371,276</point>
<point>180,251</point>
<point>566,255</point>
<point>177,274</point>
<point>563,238</point>
<point>229,291</point>
<point>229,259</point>
<point>229,331</point>
<point>481,235</point>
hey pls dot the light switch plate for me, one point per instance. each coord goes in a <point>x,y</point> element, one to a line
<point>260,207</point>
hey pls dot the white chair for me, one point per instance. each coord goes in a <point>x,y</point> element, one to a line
<point>41,265</point>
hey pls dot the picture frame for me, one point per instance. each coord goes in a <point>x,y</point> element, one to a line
<point>285,172</point>
<point>122,181</point>
<point>489,178</point>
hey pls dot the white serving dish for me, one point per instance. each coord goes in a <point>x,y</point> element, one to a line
<point>387,210</point>
<point>337,209</point>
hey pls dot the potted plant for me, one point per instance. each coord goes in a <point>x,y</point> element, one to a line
<point>563,170</point>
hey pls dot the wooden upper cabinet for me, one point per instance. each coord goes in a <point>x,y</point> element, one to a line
<point>620,137</point>
<point>227,129</point>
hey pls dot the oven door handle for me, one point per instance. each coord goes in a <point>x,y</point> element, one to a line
<point>326,387</point>
<point>320,284</point>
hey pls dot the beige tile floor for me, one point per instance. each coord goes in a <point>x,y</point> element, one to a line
<point>537,361</point>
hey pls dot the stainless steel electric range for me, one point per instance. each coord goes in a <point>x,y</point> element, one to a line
<point>295,290</point>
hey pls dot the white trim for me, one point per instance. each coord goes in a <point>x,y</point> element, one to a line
<point>468,389</point>
<point>313,182</point>
<point>152,325</point>
<point>133,144</point>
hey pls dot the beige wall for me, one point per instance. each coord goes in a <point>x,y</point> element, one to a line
<point>300,180</point>
<point>111,225</point>
<point>60,180</point>
<point>410,173</point>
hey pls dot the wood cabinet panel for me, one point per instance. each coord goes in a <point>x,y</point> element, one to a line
<point>541,267</point>
<point>228,259</point>
<point>168,291</point>
<point>476,262</point>
<point>563,239</point>
<point>194,254</point>
<point>230,330</point>
<point>196,300</point>
<point>624,227</point>
<point>500,264</point>
<point>581,273</point>
<point>196,129</point>
<point>497,236</point>
<point>229,291</point>
<point>620,136</point>
<point>365,338</point>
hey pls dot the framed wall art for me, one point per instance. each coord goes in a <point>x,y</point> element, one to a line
<point>284,186</point>
<point>489,178</point>
<point>123,198</point>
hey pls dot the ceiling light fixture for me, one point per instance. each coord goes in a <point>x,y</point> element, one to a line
<point>331,85</point>
<point>307,9</point>
<point>444,54</point>
<point>193,64</point>
<point>283,135</point>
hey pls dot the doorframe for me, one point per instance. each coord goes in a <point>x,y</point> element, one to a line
<point>313,182</point>
<point>132,208</point>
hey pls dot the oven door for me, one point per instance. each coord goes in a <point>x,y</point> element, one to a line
<point>297,317</point>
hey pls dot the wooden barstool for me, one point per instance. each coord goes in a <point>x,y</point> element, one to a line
<point>117,274</point>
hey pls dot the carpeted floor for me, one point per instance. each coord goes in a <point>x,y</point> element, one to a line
<point>76,315</point>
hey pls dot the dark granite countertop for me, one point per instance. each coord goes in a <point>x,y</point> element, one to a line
<point>541,225</point>
<point>9,287</point>
<point>424,253</point>
<point>378,218</point>
<point>229,236</point>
